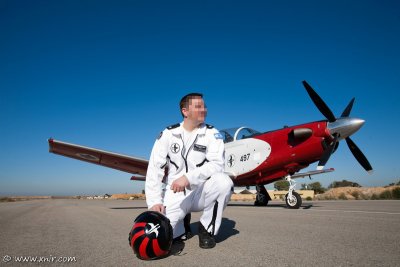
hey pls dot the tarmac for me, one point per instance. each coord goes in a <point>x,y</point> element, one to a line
<point>95,233</point>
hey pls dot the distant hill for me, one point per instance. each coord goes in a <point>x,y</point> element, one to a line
<point>354,193</point>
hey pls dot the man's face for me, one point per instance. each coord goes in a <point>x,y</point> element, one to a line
<point>196,110</point>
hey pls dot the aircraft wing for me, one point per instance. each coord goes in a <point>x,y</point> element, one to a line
<point>304,174</point>
<point>100,157</point>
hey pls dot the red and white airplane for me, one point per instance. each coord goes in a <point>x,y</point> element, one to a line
<point>254,158</point>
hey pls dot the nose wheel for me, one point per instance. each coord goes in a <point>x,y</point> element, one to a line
<point>293,202</point>
<point>293,199</point>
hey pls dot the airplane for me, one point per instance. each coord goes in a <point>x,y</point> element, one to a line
<point>256,158</point>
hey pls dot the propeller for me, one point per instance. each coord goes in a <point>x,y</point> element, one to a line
<point>347,110</point>
<point>340,128</point>
<point>358,155</point>
<point>323,108</point>
<point>327,153</point>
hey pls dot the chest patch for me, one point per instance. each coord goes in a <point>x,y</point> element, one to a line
<point>200,148</point>
<point>175,148</point>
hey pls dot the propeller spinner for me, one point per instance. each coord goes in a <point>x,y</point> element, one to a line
<point>340,128</point>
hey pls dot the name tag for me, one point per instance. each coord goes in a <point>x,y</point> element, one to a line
<point>200,148</point>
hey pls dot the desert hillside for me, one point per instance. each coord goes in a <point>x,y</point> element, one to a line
<point>128,196</point>
<point>353,193</point>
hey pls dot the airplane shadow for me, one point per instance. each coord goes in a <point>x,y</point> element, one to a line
<point>283,206</point>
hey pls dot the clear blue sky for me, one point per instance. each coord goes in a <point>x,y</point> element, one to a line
<point>110,74</point>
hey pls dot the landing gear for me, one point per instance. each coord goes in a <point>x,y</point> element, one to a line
<point>262,197</point>
<point>293,202</point>
<point>293,199</point>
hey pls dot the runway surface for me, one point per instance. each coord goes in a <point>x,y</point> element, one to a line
<point>95,233</point>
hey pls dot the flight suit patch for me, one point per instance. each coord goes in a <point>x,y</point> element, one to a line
<point>218,136</point>
<point>175,147</point>
<point>200,148</point>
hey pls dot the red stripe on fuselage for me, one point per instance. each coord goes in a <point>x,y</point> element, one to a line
<point>286,158</point>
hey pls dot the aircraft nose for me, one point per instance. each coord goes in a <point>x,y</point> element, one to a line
<point>345,127</point>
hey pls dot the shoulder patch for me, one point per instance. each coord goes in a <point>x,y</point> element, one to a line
<point>209,126</point>
<point>173,126</point>
<point>218,136</point>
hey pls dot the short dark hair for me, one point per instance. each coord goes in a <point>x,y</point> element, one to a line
<point>184,103</point>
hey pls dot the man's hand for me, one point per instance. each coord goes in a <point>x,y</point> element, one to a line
<point>180,184</point>
<point>159,208</point>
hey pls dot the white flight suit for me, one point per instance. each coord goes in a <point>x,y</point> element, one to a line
<point>201,160</point>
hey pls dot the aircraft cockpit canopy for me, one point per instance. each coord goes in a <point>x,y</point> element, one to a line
<point>233,134</point>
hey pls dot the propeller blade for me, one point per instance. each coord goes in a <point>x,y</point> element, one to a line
<point>327,153</point>
<point>347,110</point>
<point>322,107</point>
<point>358,155</point>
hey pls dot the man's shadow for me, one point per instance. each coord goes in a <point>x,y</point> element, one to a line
<point>226,230</point>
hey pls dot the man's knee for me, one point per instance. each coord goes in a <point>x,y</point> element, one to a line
<point>222,182</point>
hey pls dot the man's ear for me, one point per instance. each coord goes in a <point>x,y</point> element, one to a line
<point>184,112</point>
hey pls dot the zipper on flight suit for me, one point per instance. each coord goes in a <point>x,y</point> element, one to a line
<point>183,151</point>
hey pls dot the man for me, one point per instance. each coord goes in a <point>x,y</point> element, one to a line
<point>193,152</point>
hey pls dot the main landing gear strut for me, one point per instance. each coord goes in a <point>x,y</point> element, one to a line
<point>262,196</point>
<point>293,199</point>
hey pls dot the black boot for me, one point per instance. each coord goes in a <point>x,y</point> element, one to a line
<point>206,239</point>
<point>186,223</point>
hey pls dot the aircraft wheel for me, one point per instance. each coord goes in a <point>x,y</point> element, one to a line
<point>294,202</point>
<point>261,200</point>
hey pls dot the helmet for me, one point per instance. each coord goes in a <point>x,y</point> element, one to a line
<point>151,236</point>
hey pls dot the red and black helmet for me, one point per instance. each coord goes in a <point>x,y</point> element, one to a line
<point>151,236</point>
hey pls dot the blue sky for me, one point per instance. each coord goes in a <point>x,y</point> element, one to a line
<point>110,74</point>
